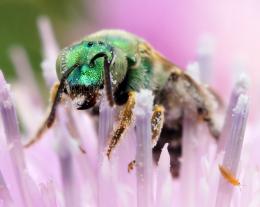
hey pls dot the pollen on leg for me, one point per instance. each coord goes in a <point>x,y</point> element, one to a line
<point>228,175</point>
<point>157,122</point>
<point>131,166</point>
<point>125,119</point>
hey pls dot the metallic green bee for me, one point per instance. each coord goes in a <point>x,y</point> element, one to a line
<point>122,64</point>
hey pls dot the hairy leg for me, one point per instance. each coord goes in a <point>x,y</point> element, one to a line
<point>55,97</point>
<point>175,153</point>
<point>157,123</point>
<point>172,137</point>
<point>125,120</point>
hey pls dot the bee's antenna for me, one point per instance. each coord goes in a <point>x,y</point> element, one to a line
<point>108,84</point>
<point>51,117</point>
<point>58,96</point>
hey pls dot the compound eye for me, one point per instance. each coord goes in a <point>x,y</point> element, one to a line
<point>90,44</point>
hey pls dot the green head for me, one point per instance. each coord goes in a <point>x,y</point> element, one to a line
<point>82,67</point>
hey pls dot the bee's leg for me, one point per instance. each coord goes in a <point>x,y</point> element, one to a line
<point>172,136</point>
<point>55,97</point>
<point>157,123</point>
<point>157,149</point>
<point>175,152</point>
<point>156,127</point>
<point>125,119</point>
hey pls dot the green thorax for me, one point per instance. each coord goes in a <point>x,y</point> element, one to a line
<point>124,41</point>
<point>137,78</point>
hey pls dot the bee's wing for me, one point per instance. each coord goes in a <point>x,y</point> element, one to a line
<point>197,98</point>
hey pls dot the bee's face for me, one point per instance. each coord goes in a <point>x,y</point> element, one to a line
<point>86,79</point>
<point>83,97</point>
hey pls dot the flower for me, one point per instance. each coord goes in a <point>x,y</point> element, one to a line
<point>55,172</point>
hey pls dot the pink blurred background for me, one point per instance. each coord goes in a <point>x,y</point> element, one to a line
<point>175,28</point>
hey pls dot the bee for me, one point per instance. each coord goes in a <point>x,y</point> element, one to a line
<point>122,64</point>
